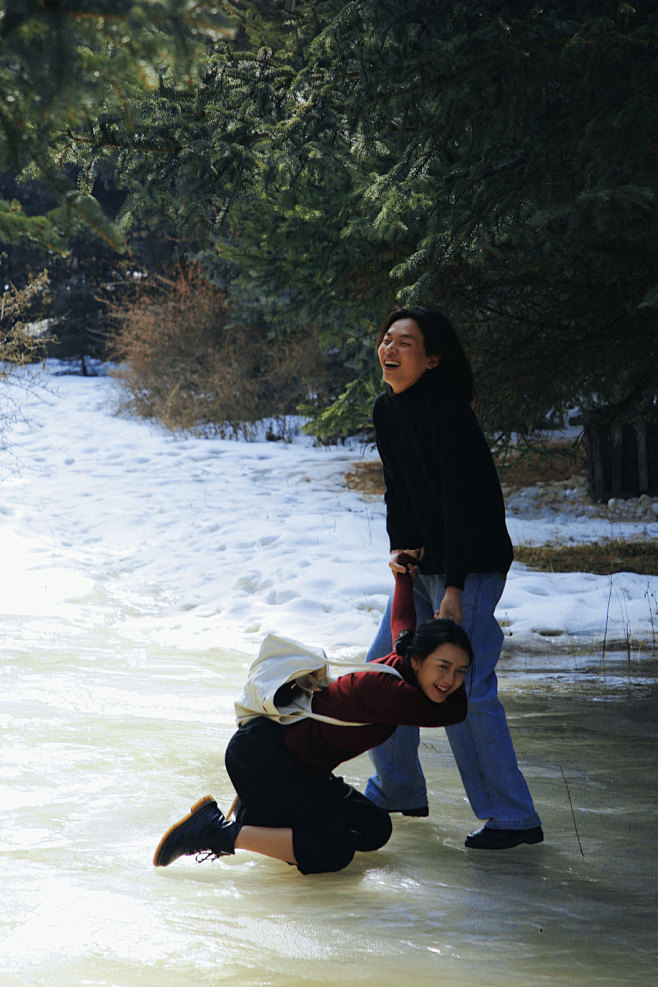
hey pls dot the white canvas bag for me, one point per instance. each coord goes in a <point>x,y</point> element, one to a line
<point>282,660</point>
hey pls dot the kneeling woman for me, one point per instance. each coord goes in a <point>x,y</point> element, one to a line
<point>290,804</point>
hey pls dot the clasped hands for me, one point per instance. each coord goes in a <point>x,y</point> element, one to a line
<point>451,604</point>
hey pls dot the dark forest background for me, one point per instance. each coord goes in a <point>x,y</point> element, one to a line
<point>225,199</point>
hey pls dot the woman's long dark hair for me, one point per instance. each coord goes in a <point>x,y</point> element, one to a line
<point>430,636</point>
<point>440,340</point>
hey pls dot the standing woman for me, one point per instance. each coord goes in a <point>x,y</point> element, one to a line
<point>443,498</point>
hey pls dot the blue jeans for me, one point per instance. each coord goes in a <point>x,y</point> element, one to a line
<point>482,745</point>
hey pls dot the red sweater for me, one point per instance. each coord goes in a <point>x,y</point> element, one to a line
<point>383,702</point>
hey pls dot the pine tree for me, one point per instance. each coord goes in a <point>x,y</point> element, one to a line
<point>496,159</point>
<point>68,70</point>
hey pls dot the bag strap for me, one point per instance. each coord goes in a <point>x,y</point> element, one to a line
<point>369,667</point>
<point>373,666</point>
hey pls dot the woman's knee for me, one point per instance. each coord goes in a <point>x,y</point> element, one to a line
<point>320,857</point>
<point>482,694</point>
<point>377,834</point>
<point>317,855</point>
<point>367,826</point>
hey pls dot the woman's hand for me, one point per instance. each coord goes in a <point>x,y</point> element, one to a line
<point>416,553</point>
<point>451,605</point>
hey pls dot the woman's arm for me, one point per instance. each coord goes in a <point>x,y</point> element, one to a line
<point>465,468</point>
<point>403,611</point>
<point>401,530</point>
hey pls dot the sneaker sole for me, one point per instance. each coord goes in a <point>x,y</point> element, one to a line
<point>197,807</point>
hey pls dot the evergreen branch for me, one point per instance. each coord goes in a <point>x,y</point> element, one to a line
<point>117,145</point>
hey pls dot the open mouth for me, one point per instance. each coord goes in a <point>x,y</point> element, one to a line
<point>391,363</point>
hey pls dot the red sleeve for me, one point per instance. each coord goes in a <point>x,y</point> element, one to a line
<point>403,612</point>
<point>366,697</point>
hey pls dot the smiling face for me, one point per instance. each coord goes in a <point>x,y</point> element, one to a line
<point>441,672</point>
<point>402,355</point>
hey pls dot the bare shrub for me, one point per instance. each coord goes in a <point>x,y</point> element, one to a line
<point>20,340</point>
<point>184,362</point>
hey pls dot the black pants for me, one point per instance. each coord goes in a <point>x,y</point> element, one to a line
<point>330,820</point>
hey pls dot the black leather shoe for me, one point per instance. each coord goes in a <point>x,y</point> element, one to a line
<point>203,831</point>
<point>422,810</point>
<point>503,839</point>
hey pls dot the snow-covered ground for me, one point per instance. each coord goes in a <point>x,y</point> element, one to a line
<point>199,543</point>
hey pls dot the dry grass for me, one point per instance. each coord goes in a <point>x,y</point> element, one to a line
<point>366,478</point>
<point>554,462</point>
<point>603,558</point>
<point>549,463</point>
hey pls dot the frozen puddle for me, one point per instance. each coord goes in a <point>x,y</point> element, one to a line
<point>105,746</point>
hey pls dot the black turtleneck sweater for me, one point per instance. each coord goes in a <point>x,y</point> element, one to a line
<point>442,489</point>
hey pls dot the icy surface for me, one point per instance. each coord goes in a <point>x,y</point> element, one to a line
<point>139,574</point>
